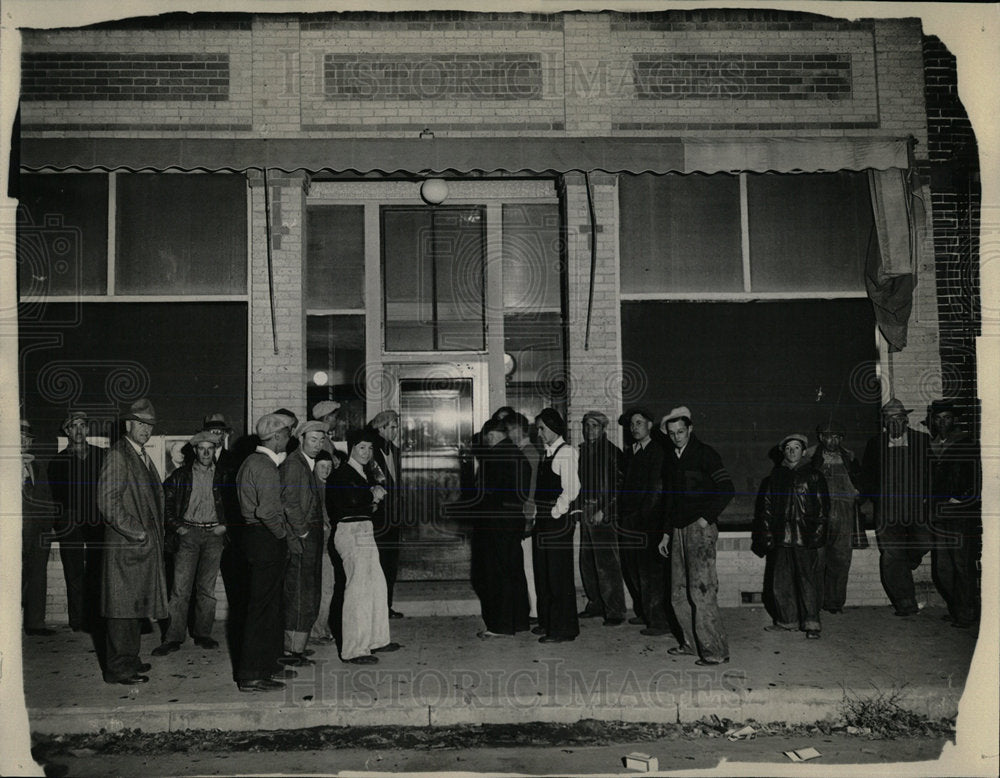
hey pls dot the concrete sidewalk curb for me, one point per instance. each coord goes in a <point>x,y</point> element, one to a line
<point>791,706</point>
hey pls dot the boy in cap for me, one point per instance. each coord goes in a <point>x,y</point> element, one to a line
<point>196,524</point>
<point>645,571</point>
<point>697,487</point>
<point>263,538</point>
<point>73,475</point>
<point>894,475</point>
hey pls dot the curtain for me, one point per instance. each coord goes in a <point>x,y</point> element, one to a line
<point>894,250</point>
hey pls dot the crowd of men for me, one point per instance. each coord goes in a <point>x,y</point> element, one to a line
<point>137,548</point>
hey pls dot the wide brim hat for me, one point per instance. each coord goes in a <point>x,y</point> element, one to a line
<point>894,408</point>
<point>626,418</point>
<point>216,421</point>
<point>675,414</point>
<point>141,410</point>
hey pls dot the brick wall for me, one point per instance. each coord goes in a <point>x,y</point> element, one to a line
<point>955,195</point>
<point>597,380</point>
<point>277,375</point>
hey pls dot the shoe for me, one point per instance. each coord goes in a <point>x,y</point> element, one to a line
<point>295,660</point>
<point>145,667</point>
<point>586,614</point>
<point>283,673</point>
<point>537,631</point>
<point>40,632</point>
<point>167,647</point>
<point>906,613</point>
<point>812,634</point>
<point>681,651</point>
<point>262,685</point>
<point>395,614</point>
<point>555,639</point>
<point>132,680</point>
<point>206,643</point>
<point>654,631</point>
<point>613,622</point>
<point>709,662</point>
<point>777,628</point>
<point>368,659</point>
<point>486,635</point>
<point>636,620</point>
<point>834,610</point>
<point>324,640</point>
<point>307,652</point>
<point>387,647</point>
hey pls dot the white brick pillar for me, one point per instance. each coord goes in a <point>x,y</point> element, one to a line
<point>595,363</point>
<point>277,352</point>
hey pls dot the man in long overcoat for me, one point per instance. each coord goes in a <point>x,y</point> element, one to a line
<point>134,583</point>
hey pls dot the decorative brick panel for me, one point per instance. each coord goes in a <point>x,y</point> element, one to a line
<point>432,76</point>
<point>442,21</point>
<point>742,76</point>
<point>77,75</point>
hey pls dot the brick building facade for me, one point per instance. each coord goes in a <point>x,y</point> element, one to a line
<point>656,199</point>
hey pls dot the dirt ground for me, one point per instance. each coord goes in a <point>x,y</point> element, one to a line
<point>584,748</point>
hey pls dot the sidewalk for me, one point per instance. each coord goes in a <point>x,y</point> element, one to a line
<point>446,675</point>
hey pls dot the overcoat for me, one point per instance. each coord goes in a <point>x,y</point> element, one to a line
<point>130,497</point>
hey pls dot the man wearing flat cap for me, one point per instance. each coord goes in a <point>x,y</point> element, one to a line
<point>263,538</point>
<point>640,502</point>
<point>73,475</point>
<point>697,487</point>
<point>134,582</point>
<point>842,472</point>
<point>956,511</point>
<point>196,524</point>
<point>303,501</point>
<point>894,474</point>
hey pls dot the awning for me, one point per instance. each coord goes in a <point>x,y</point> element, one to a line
<point>415,156</point>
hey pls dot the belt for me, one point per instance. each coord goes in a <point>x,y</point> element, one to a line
<point>201,525</point>
<point>353,519</point>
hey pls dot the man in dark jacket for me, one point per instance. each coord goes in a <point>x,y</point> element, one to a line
<point>697,488</point>
<point>794,515</point>
<point>195,523</point>
<point>600,563</point>
<point>894,474</point>
<point>134,582</point>
<point>73,478</point>
<point>388,519</point>
<point>498,563</point>
<point>644,569</point>
<point>956,507</point>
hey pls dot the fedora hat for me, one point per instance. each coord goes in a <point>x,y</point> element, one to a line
<point>141,410</point>
<point>894,408</point>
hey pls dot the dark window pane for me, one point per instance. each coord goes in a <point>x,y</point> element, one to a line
<point>181,234</point>
<point>433,278</point>
<point>537,377</point>
<point>531,256</point>
<point>808,232</point>
<point>176,358</point>
<point>335,258</point>
<point>335,367</point>
<point>752,373</point>
<point>680,233</point>
<point>62,234</point>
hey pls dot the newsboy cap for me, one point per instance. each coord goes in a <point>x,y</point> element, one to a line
<point>311,426</point>
<point>73,416</point>
<point>141,410</point>
<point>201,437</point>
<point>269,424</point>
<point>794,436</point>
<point>325,408</point>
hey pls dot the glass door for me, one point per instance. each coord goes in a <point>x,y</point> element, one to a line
<point>440,407</point>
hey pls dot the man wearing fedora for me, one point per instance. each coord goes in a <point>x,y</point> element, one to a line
<point>196,524</point>
<point>956,507</point>
<point>388,520</point>
<point>264,540</point>
<point>640,503</point>
<point>303,500</point>
<point>697,487</point>
<point>134,584</point>
<point>73,475</point>
<point>894,473</point>
<point>36,540</point>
